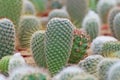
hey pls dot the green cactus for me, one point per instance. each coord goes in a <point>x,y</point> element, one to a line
<point>116,24</point>
<point>103,8</point>
<point>93,4</point>
<point>68,73</point>
<point>28,8</point>
<point>40,5</point>
<point>79,47</point>
<point>55,4</point>
<point>109,48</point>
<point>58,13</point>
<point>77,10</point>
<point>97,43</point>
<point>91,24</point>
<point>37,47</point>
<point>28,25</point>
<point>11,9</point>
<point>104,67</point>
<point>90,63</point>
<point>114,72</point>
<point>9,63</point>
<point>28,73</point>
<point>7,37</point>
<point>58,43</point>
<point>84,77</point>
<point>113,12</point>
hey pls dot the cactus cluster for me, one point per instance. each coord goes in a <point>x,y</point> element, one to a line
<point>59,13</point>
<point>103,8</point>
<point>97,43</point>
<point>7,37</point>
<point>37,48</point>
<point>91,24</point>
<point>28,25</point>
<point>28,8</point>
<point>79,47</point>
<point>90,63</point>
<point>77,10</point>
<point>58,43</point>
<point>104,67</point>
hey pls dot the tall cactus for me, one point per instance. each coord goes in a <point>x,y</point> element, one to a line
<point>58,43</point>
<point>109,48</point>
<point>28,8</point>
<point>104,67</point>
<point>7,37</point>
<point>97,43</point>
<point>116,26</point>
<point>28,25</point>
<point>91,24</point>
<point>90,64</point>
<point>77,10</point>
<point>103,8</point>
<point>58,13</point>
<point>114,72</point>
<point>79,47</point>
<point>37,47</point>
<point>113,12</point>
<point>11,9</point>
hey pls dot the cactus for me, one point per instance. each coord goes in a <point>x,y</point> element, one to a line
<point>93,4</point>
<point>113,12</point>
<point>28,8</point>
<point>116,24</point>
<point>28,73</point>
<point>58,13</point>
<point>91,24</point>
<point>77,10</point>
<point>114,72</point>
<point>97,43</point>
<point>84,76</point>
<point>7,37</point>
<point>9,63</point>
<point>90,63</point>
<point>55,4</point>
<point>28,25</point>
<point>104,67</point>
<point>68,73</point>
<point>11,10</point>
<point>79,47</point>
<point>103,8</point>
<point>109,48</point>
<point>58,43</point>
<point>37,47</point>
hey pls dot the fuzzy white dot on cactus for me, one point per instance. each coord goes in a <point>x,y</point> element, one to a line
<point>16,61</point>
<point>68,73</point>
<point>98,42</point>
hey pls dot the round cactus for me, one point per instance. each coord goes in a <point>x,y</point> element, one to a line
<point>55,4</point>
<point>97,43</point>
<point>58,13</point>
<point>113,12</point>
<point>109,48</point>
<point>79,47</point>
<point>91,24</point>
<point>28,8</point>
<point>7,37</point>
<point>58,43</point>
<point>77,10</point>
<point>37,47</point>
<point>104,67</point>
<point>114,72</point>
<point>68,73</point>
<point>116,24</point>
<point>9,63</point>
<point>90,63</point>
<point>28,73</point>
<point>28,25</point>
<point>103,8</point>
<point>11,10</point>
